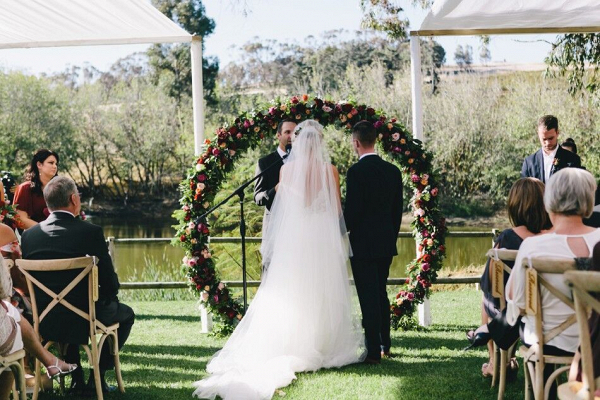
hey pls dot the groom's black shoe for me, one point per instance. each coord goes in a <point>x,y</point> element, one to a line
<point>371,361</point>
<point>78,386</point>
<point>105,387</point>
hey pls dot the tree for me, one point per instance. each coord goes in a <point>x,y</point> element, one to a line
<point>485,55</point>
<point>170,64</point>
<point>468,56</point>
<point>459,56</point>
<point>577,56</point>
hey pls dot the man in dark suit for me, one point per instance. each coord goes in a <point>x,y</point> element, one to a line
<point>265,188</point>
<point>61,235</point>
<point>551,158</point>
<point>373,214</point>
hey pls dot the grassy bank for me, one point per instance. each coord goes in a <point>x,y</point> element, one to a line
<point>166,354</point>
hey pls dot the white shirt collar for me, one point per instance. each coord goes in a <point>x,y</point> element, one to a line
<point>367,154</point>
<point>63,211</point>
<point>548,162</point>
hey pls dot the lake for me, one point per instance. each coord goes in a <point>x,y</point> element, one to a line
<point>161,261</point>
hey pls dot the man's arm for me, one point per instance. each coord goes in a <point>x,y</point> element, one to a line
<point>524,169</point>
<point>263,195</point>
<point>398,202</point>
<point>108,279</point>
<point>353,200</point>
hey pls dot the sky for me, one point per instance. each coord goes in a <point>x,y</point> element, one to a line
<point>239,21</point>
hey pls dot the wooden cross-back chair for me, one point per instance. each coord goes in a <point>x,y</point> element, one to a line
<point>534,357</point>
<point>584,284</point>
<point>497,269</point>
<point>89,271</point>
<point>14,361</point>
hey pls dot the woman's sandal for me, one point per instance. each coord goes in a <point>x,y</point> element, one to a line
<point>61,372</point>
<point>512,369</point>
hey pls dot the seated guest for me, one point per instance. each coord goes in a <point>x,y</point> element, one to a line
<point>569,197</point>
<point>594,219</point>
<point>594,323</point>
<point>527,215</point>
<point>61,235</point>
<point>570,145</point>
<point>29,199</point>
<point>16,333</point>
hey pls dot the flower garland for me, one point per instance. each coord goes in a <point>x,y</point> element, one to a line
<point>204,179</point>
<point>10,217</point>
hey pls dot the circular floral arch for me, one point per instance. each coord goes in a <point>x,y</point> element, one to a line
<point>220,153</point>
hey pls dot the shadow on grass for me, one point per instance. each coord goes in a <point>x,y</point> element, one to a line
<point>153,317</point>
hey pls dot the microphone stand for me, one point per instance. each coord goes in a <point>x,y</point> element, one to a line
<point>240,193</point>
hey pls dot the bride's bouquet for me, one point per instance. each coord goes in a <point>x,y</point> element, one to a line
<point>9,216</point>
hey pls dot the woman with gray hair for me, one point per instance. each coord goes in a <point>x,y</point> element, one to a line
<point>569,197</point>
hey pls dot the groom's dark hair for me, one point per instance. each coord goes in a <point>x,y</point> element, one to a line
<point>365,133</point>
<point>283,121</point>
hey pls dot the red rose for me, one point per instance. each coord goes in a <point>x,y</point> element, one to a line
<point>295,100</point>
<point>215,152</point>
<point>201,178</point>
<point>182,238</point>
<point>397,312</point>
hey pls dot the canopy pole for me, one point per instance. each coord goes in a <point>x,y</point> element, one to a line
<point>197,93</point>
<point>416,79</point>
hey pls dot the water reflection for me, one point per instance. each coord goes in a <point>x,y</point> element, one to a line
<point>131,258</point>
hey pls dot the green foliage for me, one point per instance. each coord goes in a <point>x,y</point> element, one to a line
<point>577,56</point>
<point>171,63</point>
<point>33,115</point>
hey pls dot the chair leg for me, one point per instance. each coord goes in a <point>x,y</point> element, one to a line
<point>502,383</point>
<point>38,379</point>
<point>495,365</point>
<point>552,378</point>
<point>539,381</point>
<point>115,351</point>
<point>528,385</point>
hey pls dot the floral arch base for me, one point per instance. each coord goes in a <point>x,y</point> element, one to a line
<point>218,158</point>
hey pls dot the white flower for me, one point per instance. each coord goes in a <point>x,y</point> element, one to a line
<point>327,109</point>
<point>395,136</point>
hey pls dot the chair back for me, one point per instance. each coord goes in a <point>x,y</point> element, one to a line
<point>584,285</point>
<point>497,269</point>
<point>536,266</point>
<point>57,286</point>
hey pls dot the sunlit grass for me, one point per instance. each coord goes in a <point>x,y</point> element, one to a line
<point>166,353</point>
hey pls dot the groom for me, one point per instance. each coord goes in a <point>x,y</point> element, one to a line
<point>373,214</point>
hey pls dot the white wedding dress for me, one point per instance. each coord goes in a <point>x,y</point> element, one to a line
<point>301,318</point>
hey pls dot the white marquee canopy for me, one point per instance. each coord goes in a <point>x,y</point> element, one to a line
<point>497,17</point>
<point>57,23</point>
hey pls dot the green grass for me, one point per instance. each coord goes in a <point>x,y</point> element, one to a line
<point>166,354</point>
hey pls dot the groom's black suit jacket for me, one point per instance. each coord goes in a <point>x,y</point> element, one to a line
<point>264,190</point>
<point>533,165</point>
<point>63,236</point>
<point>373,211</point>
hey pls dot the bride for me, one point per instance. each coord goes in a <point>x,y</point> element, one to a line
<point>301,318</point>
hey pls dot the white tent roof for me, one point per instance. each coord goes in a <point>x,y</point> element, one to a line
<point>53,23</point>
<point>475,17</point>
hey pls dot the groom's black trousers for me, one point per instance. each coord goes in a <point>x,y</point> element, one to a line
<point>370,277</point>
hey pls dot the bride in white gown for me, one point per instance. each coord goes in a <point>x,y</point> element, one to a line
<point>301,318</point>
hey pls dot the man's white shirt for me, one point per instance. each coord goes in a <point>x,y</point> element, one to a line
<point>281,153</point>
<point>548,162</point>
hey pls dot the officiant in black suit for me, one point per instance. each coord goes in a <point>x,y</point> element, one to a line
<point>551,158</point>
<point>61,235</point>
<point>373,213</point>
<point>265,188</point>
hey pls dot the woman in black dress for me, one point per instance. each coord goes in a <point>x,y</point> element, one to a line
<point>527,215</point>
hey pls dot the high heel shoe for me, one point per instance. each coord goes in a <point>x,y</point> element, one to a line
<point>61,372</point>
<point>477,339</point>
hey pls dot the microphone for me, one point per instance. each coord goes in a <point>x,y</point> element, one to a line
<point>288,150</point>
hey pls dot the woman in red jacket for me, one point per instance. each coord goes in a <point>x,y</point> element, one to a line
<point>29,197</point>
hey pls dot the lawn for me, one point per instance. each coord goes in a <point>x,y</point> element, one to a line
<point>166,354</point>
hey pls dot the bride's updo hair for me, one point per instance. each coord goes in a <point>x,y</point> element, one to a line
<point>307,127</point>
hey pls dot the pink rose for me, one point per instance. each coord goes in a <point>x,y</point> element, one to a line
<point>395,136</point>
<point>378,124</point>
<point>415,178</point>
<point>425,267</point>
<point>434,191</point>
<point>410,296</point>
